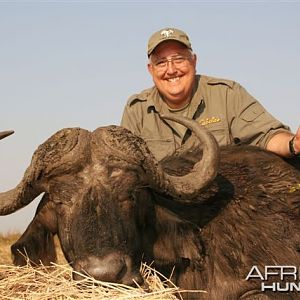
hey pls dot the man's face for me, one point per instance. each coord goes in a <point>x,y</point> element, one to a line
<point>173,69</point>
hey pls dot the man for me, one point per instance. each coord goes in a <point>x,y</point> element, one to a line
<point>223,106</point>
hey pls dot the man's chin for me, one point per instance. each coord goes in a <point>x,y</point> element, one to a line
<point>174,102</point>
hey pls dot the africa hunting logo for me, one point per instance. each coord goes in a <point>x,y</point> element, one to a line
<point>276,278</point>
<point>167,32</point>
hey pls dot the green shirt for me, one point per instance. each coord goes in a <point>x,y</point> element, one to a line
<point>223,106</point>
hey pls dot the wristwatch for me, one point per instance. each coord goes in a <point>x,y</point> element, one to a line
<point>291,147</point>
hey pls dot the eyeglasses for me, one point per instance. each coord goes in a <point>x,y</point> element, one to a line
<point>177,61</point>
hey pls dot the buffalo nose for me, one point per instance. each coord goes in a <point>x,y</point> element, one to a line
<point>113,267</point>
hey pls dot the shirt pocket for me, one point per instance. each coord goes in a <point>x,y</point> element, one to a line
<point>159,147</point>
<point>220,133</point>
<point>252,113</point>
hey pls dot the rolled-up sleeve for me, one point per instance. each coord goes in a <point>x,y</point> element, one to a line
<point>251,122</point>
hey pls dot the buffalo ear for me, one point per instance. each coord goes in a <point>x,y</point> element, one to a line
<point>36,245</point>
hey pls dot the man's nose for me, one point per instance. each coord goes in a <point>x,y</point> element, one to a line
<point>170,67</point>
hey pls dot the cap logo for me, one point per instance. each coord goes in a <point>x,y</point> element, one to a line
<point>167,32</point>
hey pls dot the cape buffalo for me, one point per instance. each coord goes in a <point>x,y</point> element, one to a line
<point>210,218</point>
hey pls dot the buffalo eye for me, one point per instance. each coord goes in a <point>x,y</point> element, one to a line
<point>115,172</point>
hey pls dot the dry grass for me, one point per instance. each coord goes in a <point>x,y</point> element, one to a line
<point>56,282</point>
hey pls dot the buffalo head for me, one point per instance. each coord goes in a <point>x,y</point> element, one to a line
<point>92,182</point>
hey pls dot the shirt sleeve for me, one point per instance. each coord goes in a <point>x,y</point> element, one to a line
<point>251,122</point>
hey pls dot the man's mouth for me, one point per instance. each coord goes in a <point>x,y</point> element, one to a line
<point>174,79</point>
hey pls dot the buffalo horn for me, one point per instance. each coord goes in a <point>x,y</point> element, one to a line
<point>4,134</point>
<point>60,154</point>
<point>204,171</point>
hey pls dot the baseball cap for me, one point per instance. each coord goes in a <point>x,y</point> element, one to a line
<point>167,34</point>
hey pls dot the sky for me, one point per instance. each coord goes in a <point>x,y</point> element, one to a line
<point>75,63</point>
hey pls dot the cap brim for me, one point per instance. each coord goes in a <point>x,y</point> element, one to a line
<point>166,40</point>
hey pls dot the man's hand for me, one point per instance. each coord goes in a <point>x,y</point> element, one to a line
<point>283,143</point>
